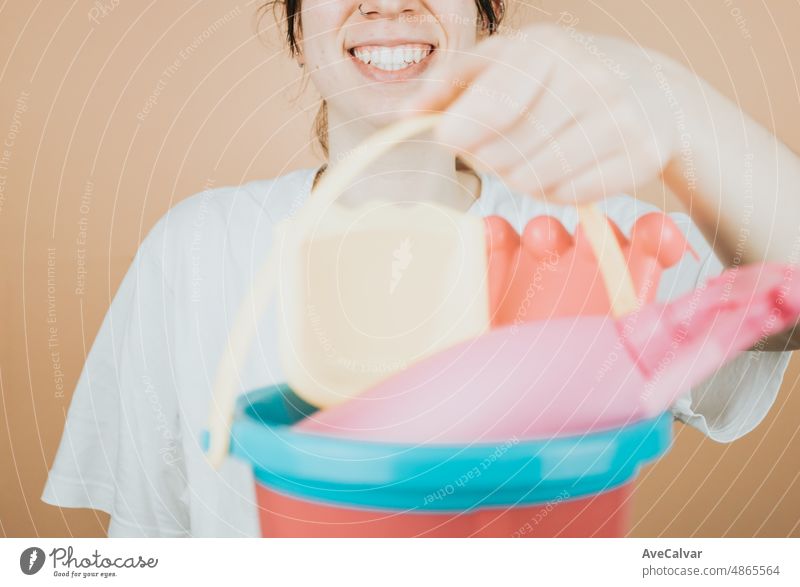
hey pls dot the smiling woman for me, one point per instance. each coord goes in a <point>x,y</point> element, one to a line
<point>490,12</point>
<point>486,19</point>
<point>547,125</point>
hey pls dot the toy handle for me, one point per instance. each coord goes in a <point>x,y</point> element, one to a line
<point>261,289</point>
<point>610,259</point>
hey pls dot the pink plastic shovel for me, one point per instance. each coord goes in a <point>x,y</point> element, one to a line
<point>572,374</point>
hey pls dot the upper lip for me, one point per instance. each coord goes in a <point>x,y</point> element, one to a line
<point>388,42</point>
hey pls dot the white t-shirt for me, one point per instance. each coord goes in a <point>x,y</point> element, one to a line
<point>131,443</point>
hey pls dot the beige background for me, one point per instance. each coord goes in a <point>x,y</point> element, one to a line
<point>74,77</point>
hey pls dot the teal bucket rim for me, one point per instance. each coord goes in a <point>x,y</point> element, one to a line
<point>439,477</point>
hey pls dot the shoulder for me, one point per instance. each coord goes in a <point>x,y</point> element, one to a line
<point>269,200</point>
<point>217,216</point>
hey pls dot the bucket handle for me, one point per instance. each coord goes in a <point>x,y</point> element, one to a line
<point>611,261</point>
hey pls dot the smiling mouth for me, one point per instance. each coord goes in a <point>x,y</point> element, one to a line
<point>396,58</point>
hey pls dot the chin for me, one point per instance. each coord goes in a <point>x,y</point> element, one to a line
<point>386,117</point>
<point>381,110</point>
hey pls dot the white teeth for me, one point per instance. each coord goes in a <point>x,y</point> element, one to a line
<point>392,58</point>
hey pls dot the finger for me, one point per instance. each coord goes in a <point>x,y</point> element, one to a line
<point>493,104</point>
<point>586,142</point>
<point>572,94</point>
<point>624,172</point>
<point>450,76</point>
<point>446,83</point>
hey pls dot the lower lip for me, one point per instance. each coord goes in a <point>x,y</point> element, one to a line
<point>413,71</point>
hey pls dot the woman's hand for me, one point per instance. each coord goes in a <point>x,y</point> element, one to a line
<point>554,114</point>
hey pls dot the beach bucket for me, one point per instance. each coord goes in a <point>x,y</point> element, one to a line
<point>310,485</point>
<point>319,483</point>
<point>608,266</point>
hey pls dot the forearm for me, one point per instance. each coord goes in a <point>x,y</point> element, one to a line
<point>739,182</point>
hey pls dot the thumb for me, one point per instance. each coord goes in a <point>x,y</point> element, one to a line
<point>447,79</point>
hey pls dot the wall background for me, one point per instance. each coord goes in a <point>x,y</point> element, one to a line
<point>89,167</point>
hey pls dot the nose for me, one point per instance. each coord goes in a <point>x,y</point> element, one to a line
<point>381,9</point>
